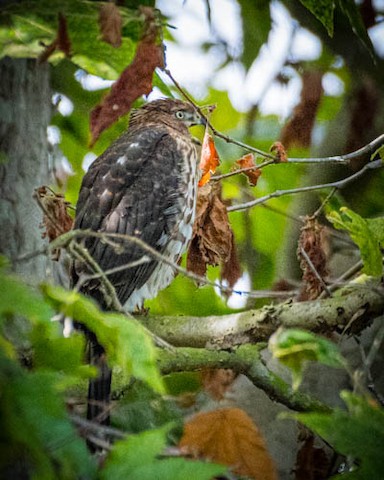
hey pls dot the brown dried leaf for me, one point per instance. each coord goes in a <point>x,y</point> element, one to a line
<point>298,131</point>
<point>230,437</point>
<point>248,161</point>
<point>280,151</point>
<point>212,238</point>
<point>61,42</point>
<point>312,240</point>
<point>56,220</point>
<point>110,22</point>
<point>209,159</point>
<point>312,463</point>
<point>217,381</point>
<point>136,79</point>
<point>231,269</point>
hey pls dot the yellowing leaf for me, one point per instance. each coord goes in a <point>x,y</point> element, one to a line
<point>209,160</point>
<point>229,436</point>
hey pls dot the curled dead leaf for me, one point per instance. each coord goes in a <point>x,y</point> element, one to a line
<point>56,220</point>
<point>110,22</point>
<point>209,159</point>
<point>229,436</point>
<point>135,80</point>
<point>248,161</point>
<point>313,241</point>
<point>280,152</point>
<point>212,238</point>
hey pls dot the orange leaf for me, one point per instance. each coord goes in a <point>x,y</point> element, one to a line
<point>230,437</point>
<point>136,79</point>
<point>281,153</point>
<point>110,24</point>
<point>209,160</point>
<point>248,161</point>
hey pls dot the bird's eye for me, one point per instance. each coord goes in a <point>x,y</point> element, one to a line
<point>179,115</point>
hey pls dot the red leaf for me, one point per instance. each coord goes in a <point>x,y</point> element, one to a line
<point>248,161</point>
<point>209,160</point>
<point>136,79</point>
<point>110,22</point>
<point>61,42</point>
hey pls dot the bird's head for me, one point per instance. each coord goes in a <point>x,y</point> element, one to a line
<point>175,113</point>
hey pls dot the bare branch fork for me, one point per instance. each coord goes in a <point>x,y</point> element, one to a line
<point>337,185</point>
<point>339,159</point>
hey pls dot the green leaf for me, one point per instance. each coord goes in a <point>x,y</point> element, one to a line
<point>16,298</point>
<point>352,10</point>
<point>142,409</point>
<point>294,348</point>
<point>126,342</point>
<point>136,458</point>
<point>358,432</point>
<point>23,31</point>
<point>380,152</point>
<point>364,233</point>
<point>35,426</point>
<point>256,18</point>
<point>323,11</point>
<point>51,351</point>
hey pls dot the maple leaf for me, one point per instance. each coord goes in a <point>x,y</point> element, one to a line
<point>209,159</point>
<point>110,22</point>
<point>248,161</point>
<point>212,238</point>
<point>56,220</point>
<point>61,42</point>
<point>281,153</point>
<point>135,80</point>
<point>230,437</point>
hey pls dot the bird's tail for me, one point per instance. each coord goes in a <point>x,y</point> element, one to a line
<point>99,389</point>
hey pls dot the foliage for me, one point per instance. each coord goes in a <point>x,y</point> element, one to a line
<point>38,433</point>
<point>357,433</point>
<point>136,457</point>
<point>295,348</point>
<point>368,234</point>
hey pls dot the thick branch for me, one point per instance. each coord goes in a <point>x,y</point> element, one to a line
<point>246,360</point>
<point>360,304</point>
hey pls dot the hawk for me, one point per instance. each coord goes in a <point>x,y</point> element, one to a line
<point>144,185</point>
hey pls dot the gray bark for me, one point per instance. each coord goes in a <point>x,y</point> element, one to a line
<point>25,110</point>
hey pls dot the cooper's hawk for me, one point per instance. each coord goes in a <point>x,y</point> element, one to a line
<point>144,185</point>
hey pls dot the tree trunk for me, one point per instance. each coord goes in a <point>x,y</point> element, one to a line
<point>25,104</point>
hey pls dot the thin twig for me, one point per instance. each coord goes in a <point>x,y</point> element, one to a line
<point>338,159</point>
<point>279,193</point>
<point>215,178</point>
<point>314,271</point>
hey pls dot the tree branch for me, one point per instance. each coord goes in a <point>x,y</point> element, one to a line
<point>338,185</point>
<point>363,303</point>
<point>246,360</point>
